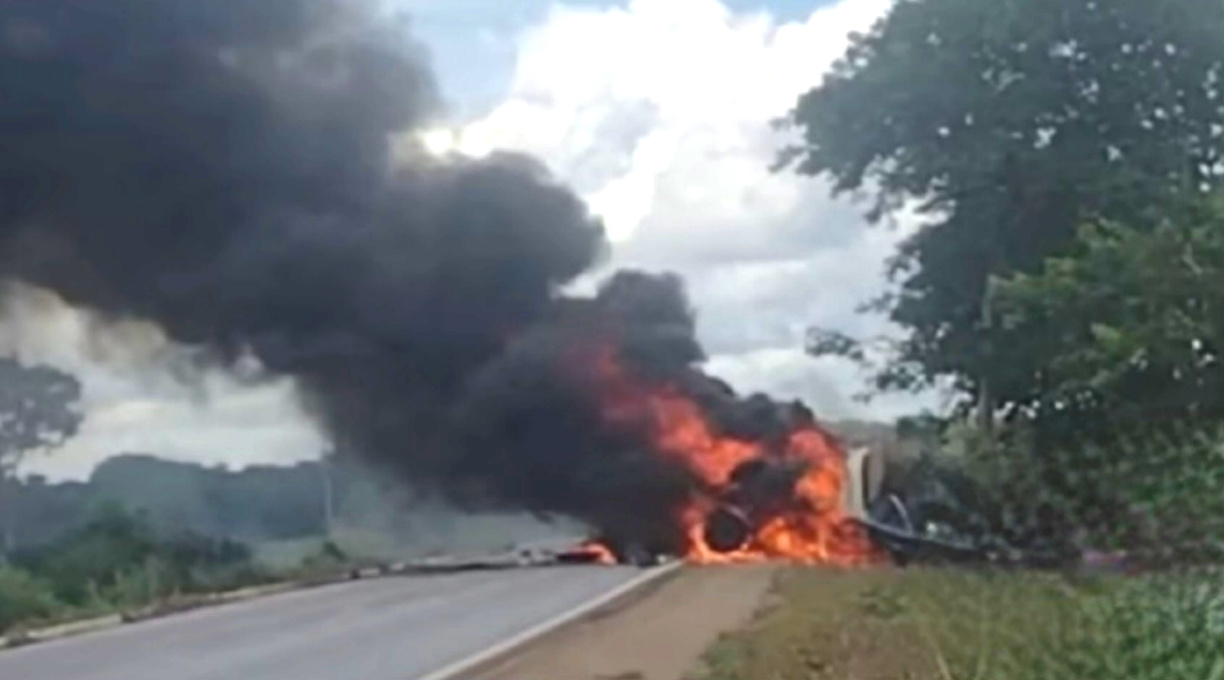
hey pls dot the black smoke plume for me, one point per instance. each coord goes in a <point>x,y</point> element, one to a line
<point>531,430</point>
<point>226,168</point>
<point>534,422</point>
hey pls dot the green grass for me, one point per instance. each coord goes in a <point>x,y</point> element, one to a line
<point>956,625</point>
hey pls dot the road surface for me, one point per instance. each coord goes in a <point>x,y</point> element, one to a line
<point>660,637</point>
<point>396,628</point>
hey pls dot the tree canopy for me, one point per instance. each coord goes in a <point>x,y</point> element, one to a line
<point>37,409</point>
<point>1137,322</point>
<point>1010,124</point>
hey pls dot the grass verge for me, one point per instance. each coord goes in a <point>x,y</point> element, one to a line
<point>932,624</point>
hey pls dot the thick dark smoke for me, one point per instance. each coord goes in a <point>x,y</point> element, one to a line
<point>531,430</point>
<point>533,422</point>
<point>225,167</point>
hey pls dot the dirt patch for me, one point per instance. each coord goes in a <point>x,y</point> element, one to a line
<point>660,636</point>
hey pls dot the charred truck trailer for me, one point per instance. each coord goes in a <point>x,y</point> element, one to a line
<point>758,491</point>
<point>899,523</point>
<point>759,486</point>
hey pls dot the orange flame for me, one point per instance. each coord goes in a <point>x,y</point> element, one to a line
<point>814,531</point>
<point>598,552</point>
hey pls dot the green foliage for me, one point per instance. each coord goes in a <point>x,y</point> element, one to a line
<point>94,557</point>
<point>1157,628</point>
<point>1018,498</point>
<point>254,504</point>
<point>328,557</point>
<point>963,625</point>
<point>116,559</point>
<point>257,502</point>
<point>1011,123</point>
<point>37,411</point>
<point>135,585</point>
<point>24,598</point>
<point>38,408</point>
<point>1159,495</point>
<point>1162,627</point>
<point>1132,324</point>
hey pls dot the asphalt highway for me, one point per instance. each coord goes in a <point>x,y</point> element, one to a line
<point>395,628</point>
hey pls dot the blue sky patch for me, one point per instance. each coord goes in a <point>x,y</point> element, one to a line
<point>472,41</point>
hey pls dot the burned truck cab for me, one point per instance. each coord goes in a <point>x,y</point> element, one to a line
<point>865,470</point>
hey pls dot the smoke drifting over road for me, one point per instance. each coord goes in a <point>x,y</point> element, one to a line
<point>225,169</point>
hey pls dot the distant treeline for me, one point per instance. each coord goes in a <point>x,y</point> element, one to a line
<point>255,503</point>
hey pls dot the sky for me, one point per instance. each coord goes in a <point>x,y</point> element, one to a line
<point>474,43</point>
<point>658,113</point>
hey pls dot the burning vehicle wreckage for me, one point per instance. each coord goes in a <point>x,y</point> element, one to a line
<point>774,485</point>
<point>929,524</point>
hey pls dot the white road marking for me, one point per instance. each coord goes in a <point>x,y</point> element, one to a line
<point>471,662</point>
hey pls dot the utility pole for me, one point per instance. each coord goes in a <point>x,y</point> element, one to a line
<point>985,396</point>
<point>328,503</point>
<point>8,508</point>
<point>6,516</point>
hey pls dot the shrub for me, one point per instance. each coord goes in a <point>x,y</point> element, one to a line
<point>118,560</point>
<point>1168,489</point>
<point>1156,493</point>
<point>24,597</point>
<point>1164,627</point>
<point>88,561</point>
<point>328,557</point>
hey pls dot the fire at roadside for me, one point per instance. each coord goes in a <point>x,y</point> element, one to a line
<point>929,521</point>
<point>782,490</point>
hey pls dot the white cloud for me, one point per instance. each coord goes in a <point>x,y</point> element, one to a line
<point>689,86</point>
<point>143,394</point>
<point>659,113</point>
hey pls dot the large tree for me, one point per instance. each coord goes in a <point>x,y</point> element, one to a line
<point>1009,124</point>
<point>37,411</point>
<point>1132,324</point>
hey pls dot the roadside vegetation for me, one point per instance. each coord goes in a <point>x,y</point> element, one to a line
<point>116,562</point>
<point>928,624</point>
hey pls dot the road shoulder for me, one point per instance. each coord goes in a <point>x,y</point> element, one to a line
<point>658,635</point>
